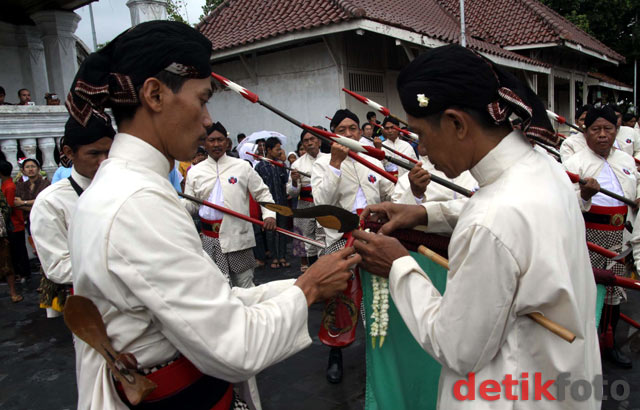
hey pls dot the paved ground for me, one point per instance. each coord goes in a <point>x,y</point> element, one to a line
<point>37,362</point>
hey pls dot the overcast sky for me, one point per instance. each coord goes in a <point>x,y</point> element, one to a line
<point>112,17</point>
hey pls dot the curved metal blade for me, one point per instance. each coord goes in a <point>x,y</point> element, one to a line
<point>328,216</point>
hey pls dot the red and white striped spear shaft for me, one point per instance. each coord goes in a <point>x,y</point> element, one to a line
<point>314,131</point>
<point>561,120</point>
<point>382,110</point>
<point>400,154</point>
<point>278,164</point>
<point>252,220</point>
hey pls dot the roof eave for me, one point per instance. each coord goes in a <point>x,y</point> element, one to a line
<point>592,53</point>
<point>407,36</point>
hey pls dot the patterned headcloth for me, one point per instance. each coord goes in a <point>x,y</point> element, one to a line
<point>339,116</point>
<point>78,134</point>
<point>112,76</point>
<point>454,76</point>
<point>605,112</point>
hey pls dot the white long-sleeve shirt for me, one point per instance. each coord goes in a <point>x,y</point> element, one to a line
<point>303,164</point>
<point>347,187</point>
<point>136,254</point>
<point>517,248</point>
<point>627,140</point>
<point>621,175</point>
<point>574,143</point>
<point>400,146</point>
<point>443,204</point>
<point>236,179</point>
<point>50,218</point>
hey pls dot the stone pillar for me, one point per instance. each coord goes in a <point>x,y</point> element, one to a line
<point>585,91</point>
<point>33,62</point>
<point>47,147</point>
<point>28,147</point>
<point>56,30</point>
<point>147,10</point>
<point>10,150</point>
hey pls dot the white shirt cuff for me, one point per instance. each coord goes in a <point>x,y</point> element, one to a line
<point>335,170</point>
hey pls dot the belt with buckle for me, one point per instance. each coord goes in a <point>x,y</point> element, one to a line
<point>211,228</point>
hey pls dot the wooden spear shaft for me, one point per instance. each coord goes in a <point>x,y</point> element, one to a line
<point>547,323</point>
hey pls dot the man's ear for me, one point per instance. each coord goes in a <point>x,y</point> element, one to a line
<point>68,152</point>
<point>457,122</point>
<point>153,94</point>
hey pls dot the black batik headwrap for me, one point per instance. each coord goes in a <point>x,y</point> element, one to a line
<point>605,112</point>
<point>392,120</point>
<point>78,134</point>
<point>454,76</point>
<point>111,76</point>
<point>217,127</point>
<point>339,116</point>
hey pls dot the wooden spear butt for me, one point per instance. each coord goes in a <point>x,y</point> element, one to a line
<point>399,119</point>
<point>537,317</point>
<point>552,326</point>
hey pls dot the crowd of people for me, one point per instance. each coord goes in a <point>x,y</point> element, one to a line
<point>174,278</point>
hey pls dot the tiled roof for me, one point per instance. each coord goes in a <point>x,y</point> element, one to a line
<point>607,79</point>
<point>522,22</point>
<point>490,23</point>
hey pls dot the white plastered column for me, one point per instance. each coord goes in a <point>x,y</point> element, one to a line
<point>147,10</point>
<point>56,30</point>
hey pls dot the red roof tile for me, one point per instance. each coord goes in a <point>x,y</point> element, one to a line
<point>522,22</point>
<point>607,79</point>
<point>490,23</point>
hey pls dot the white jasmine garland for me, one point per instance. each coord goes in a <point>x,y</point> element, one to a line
<point>380,308</point>
<point>423,101</point>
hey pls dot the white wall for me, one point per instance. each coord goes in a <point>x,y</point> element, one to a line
<point>303,82</point>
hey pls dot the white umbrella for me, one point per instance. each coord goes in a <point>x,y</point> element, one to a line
<point>247,144</point>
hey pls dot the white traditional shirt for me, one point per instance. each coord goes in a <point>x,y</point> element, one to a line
<point>400,146</point>
<point>237,179</point>
<point>625,178</point>
<point>303,164</point>
<point>351,187</point>
<point>50,218</point>
<point>517,248</point>
<point>627,140</point>
<point>574,143</point>
<point>443,204</point>
<point>136,254</point>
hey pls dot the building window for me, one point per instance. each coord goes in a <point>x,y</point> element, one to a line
<point>366,82</point>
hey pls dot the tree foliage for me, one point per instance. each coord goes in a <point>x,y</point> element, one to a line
<point>173,10</point>
<point>613,22</point>
<point>209,6</point>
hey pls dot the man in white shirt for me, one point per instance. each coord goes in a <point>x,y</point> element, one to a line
<point>227,181</point>
<point>442,204</point>
<point>394,142</point>
<point>136,253</point>
<point>53,209</point>
<point>627,138</point>
<point>299,186</point>
<point>340,181</point>
<point>575,141</point>
<point>603,166</point>
<point>518,246</point>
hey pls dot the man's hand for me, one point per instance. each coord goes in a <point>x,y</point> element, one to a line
<point>377,142</point>
<point>295,177</point>
<point>378,251</point>
<point>589,189</point>
<point>419,178</point>
<point>338,154</point>
<point>328,275</point>
<point>269,224</point>
<point>395,216</point>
